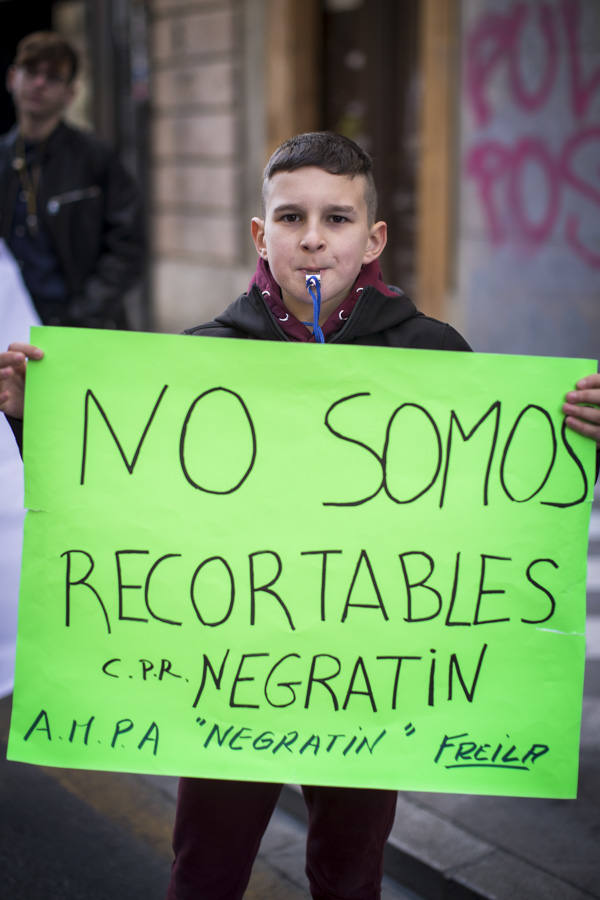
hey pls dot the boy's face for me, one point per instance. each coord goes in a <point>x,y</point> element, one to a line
<point>316,222</point>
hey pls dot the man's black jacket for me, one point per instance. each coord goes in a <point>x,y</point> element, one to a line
<point>90,207</point>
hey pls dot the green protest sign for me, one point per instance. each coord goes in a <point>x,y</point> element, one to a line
<point>286,562</point>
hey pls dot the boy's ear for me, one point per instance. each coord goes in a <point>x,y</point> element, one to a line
<point>376,241</point>
<point>257,228</point>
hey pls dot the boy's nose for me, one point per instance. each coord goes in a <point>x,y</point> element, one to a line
<point>312,239</point>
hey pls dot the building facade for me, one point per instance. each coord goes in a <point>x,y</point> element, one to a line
<point>483,117</point>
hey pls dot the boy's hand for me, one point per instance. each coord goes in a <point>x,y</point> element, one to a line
<point>13,363</point>
<point>581,416</point>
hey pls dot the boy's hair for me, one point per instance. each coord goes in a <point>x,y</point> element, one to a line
<point>326,150</point>
<point>48,47</point>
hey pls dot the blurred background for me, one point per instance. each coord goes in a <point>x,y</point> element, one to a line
<point>483,117</point>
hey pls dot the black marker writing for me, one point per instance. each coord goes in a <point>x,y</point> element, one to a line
<point>442,453</point>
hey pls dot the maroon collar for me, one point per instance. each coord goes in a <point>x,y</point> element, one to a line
<point>369,276</point>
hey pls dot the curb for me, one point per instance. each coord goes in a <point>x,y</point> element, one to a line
<point>439,860</point>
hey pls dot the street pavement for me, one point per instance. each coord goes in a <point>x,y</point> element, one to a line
<point>80,835</point>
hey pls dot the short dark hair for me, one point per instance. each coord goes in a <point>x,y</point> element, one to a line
<point>48,47</point>
<point>326,150</point>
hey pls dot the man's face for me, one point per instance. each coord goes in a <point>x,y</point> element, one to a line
<point>316,222</point>
<point>40,90</point>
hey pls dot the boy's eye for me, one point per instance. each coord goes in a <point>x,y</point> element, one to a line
<point>290,217</point>
<point>337,220</point>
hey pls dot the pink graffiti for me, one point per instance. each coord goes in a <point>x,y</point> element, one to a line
<point>496,41</point>
<point>499,170</point>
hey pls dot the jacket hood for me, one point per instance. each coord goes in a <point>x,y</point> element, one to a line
<point>371,306</point>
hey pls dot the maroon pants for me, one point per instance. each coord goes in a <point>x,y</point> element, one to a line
<point>219,826</point>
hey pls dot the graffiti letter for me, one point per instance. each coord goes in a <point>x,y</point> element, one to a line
<point>534,99</point>
<point>487,162</point>
<point>490,40</point>
<point>531,150</point>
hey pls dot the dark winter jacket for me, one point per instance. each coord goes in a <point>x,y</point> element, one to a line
<point>90,208</point>
<point>376,319</point>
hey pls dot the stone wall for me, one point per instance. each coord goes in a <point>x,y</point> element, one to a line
<point>200,173</point>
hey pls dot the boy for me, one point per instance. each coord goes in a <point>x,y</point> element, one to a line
<point>319,222</point>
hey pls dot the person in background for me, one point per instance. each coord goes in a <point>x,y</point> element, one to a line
<point>69,211</point>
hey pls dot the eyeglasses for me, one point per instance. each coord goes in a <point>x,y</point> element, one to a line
<point>33,71</point>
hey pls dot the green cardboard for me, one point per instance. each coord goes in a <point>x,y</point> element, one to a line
<point>334,565</point>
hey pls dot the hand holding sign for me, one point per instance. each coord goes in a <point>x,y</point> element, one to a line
<point>582,408</point>
<point>13,363</point>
